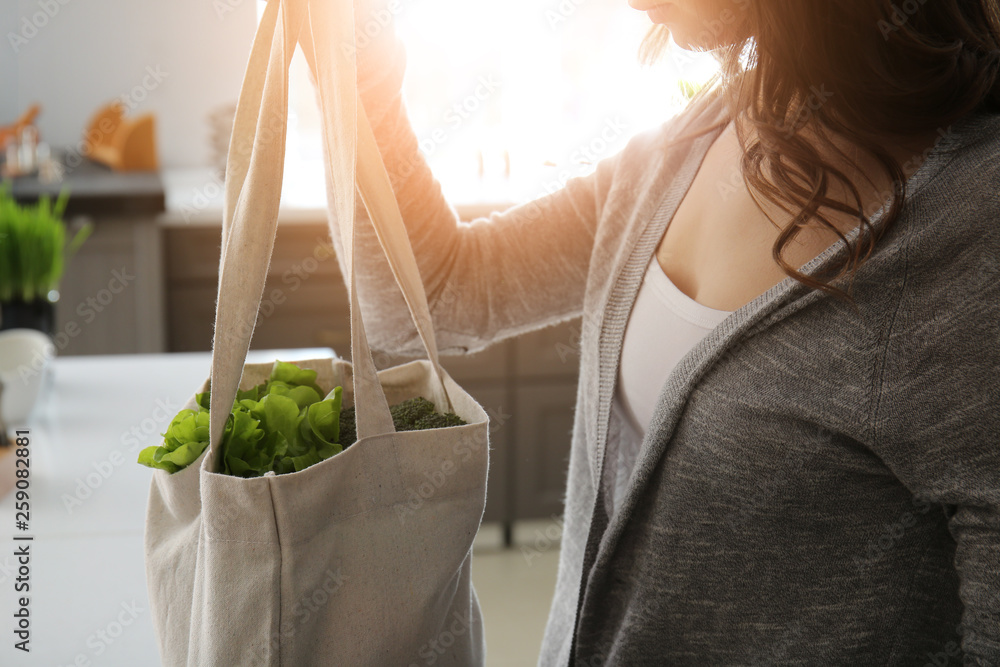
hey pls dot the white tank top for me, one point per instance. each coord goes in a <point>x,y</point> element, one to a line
<point>663,326</point>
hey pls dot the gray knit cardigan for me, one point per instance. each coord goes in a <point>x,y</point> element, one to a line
<point>819,485</point>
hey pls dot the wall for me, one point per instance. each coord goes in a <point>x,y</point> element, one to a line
<point>177,59</point>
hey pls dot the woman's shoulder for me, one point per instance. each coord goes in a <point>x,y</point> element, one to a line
<point>974,140</point>
<point>952,244</point>
<point>960,193</point>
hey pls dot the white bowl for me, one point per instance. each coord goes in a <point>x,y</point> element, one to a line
<point>24,356</point>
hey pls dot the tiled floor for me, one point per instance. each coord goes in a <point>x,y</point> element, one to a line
<point>515,589</point>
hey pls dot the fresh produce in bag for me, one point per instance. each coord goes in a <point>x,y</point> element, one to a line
<point>283,425</point>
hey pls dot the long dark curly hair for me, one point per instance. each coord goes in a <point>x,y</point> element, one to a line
<point>889,69</point>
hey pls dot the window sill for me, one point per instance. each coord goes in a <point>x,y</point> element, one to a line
<point>194,197</point>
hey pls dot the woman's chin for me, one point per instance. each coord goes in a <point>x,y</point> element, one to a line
<point>694,43</point>
<point>686,42</point>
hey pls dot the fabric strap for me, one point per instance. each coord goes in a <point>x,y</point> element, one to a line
<point>254,169</point>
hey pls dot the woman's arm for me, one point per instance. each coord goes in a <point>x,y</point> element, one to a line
<point>487,279</point>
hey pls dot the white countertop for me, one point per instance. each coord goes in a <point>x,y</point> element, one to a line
<point>87,513</point>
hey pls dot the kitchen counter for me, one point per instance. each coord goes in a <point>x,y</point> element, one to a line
<point>97,191</point>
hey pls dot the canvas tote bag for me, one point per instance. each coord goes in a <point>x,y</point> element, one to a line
<point>361,559</point>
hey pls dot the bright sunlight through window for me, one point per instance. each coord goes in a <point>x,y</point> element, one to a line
<point>510,99</point>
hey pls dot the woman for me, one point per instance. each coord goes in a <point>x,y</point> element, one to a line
<point>785,448</point>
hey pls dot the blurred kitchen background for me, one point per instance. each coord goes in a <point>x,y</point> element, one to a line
<point>126,108</point>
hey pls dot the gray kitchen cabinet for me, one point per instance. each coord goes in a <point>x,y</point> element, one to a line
<point>543,423</point>
<point>545,364</point>
<point>552,352</point>
<point>111,295</point>
<point>304,302</point>
<point>495,401</point>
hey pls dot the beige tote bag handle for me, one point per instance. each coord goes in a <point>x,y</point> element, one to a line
<point>253,192</point>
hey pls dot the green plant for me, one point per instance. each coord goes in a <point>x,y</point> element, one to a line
<point>33,247</point>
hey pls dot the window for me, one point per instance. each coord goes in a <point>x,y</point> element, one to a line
<point>509,99</point>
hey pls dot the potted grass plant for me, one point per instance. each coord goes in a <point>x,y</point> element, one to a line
<point>33,253</point>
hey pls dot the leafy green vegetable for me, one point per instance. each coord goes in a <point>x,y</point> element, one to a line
<point>418,413</point>
<point>186,438</point>
<point>348,426</point>
<point>415,414</point>
<point>407,413</point>
<point>280,426</point>
<point>436,420</point>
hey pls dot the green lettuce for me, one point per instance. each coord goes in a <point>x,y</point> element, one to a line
<point>186,438</point>
<point>282,425</point>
